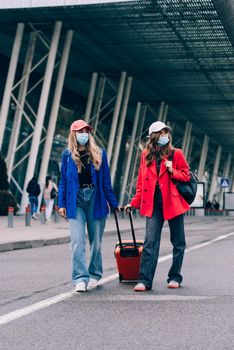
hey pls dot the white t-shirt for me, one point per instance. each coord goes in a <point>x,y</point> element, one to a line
<point>47,190</point>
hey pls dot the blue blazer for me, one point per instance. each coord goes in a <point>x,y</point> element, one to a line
<point>69,185</point>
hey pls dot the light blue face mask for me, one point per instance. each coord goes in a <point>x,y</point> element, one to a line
<point>82,138</point>
<point>163,140</point>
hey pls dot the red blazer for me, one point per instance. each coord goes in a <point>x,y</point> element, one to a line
<point>173,202</point>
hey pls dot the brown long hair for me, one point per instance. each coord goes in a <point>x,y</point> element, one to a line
<point>154,151</point>
<point>93,151</point>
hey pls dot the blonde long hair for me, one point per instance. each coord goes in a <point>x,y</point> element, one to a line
<point>154,151</point>
<point>93,151</point>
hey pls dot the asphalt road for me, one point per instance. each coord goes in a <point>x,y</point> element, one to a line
<point>197,316</point>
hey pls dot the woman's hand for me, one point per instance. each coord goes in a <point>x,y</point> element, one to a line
<point>128,208</point>
<point>168,164</point>
<point>119,208</point>
<point>62,212</point>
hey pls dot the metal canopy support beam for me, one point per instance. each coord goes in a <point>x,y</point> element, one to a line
<point>130,150</point>
<point>98,102</point>
<point>41,112</point>
<point>186,138</point>
<point>202,162</point>
<point>161,111</point>
<point>190,149</point>
<point>19,109</point>
<point>134,161</point>
<point>120,129</point>
<point>165,112</point>
<point>215,174</point>
<point>116,115</point>
<point>226,172</point>
<point>232,185</point>
<point>90,97</point>
<point>55,109</point>
<point>10,79</point>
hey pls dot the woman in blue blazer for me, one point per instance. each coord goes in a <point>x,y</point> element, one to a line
<point>84,194</point>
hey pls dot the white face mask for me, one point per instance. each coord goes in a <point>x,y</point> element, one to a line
<point>82,138</point>
<point>163,140</point>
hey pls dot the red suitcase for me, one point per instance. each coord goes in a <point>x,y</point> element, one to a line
<point>128,255</point>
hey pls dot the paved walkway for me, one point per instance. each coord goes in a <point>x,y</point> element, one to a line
<point>38,235</point>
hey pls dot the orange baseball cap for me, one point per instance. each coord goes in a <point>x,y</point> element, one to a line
<point>80,124</point>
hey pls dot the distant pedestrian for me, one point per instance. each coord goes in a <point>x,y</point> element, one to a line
<point>33,190</point>
<point>84,190</point>
<point>158,199</point>
<point>208,205</point>
<point>216,205</point>
<point>49,196</point>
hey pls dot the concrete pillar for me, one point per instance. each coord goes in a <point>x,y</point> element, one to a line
<point>41,112</point>
<point>202,162</point>
<point>21,98</point>
<point>90,97</point>
<point>116,115</point>
<point>215,174</point>
<point>55,109</point>
<point>120,129</point>
<point>10,80</point>
<point>226,172</point>
<point>129,158</point>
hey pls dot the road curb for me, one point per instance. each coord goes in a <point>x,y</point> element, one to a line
<point>36,243</point>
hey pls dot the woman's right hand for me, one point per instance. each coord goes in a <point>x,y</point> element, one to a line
<point>62,212</point>
<point>128,208</point>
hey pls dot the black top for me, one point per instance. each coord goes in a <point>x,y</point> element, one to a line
<point>85,175</point>
<point>158,194</point>
<point>33,188</point>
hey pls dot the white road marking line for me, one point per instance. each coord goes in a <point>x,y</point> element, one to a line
<point>11,316</point>
<point>146,297</point>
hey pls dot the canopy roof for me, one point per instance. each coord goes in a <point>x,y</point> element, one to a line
<point>177,51</point>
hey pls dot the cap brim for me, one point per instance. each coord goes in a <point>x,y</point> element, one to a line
<point>165,127</point>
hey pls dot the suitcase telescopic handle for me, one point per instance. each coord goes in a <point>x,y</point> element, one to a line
<point>132,229</point>
<point>118,231</point>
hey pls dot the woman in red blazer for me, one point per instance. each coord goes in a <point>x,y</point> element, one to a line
<point>159,200</point>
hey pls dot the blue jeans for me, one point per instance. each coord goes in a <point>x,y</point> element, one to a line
<point>150,252</point>
<point>95,228</point>
<point>33,201</point>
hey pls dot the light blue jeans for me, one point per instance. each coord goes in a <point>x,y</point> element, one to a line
<point>95,228</point>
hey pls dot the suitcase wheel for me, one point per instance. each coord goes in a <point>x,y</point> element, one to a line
<point>120,278</point>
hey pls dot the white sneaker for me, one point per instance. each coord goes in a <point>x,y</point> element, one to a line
<point>92,284</point>
<point>80,287</point>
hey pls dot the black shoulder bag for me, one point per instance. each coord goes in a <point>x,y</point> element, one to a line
<point>188,189</point>
<point>53,193</point>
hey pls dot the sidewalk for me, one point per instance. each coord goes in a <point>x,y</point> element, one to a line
<point>38,235</point>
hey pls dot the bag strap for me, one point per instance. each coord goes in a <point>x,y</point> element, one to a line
<point>171,155</point>
<point>171,159</point>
